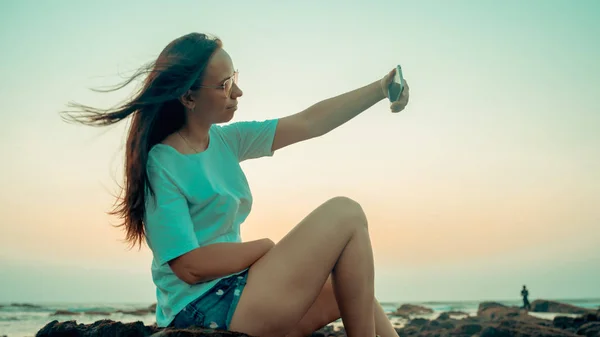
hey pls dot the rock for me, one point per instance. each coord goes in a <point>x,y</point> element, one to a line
<point>591,329</point>
<point>492,331</point>
<point>408,331</point>
<point>470,319</point>
<point>98,328</point>
<point>445,322</point>
<point>446,325</point>
<point>513,328</point>
<point>491,311</point>
<point>573,323</point>
<point>64,312</point>
<point>76,313</point>
<point>487,305</point>
<point>118,329</point>
<point>466,330</point>
<point>195,333</point>
<point>456,313</point>
<point>557,307</point>
<point>25,305</point>
<point>136,312</point>
<point>526,318</point>
<point>563,322</point>
<point>501,324</point>
<point>406,310</point>
<point>418,322</point>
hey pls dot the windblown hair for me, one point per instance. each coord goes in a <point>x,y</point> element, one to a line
<point>156,112</point>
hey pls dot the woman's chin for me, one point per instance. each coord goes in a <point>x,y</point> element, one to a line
<point>228,115</point>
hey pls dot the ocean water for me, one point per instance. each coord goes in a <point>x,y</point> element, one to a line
<point>20,320</point>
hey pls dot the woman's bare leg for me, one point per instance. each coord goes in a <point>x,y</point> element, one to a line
<point>383,326</point>
<point>325,310</point>
<point>284,284</point>
<point>353,285</point>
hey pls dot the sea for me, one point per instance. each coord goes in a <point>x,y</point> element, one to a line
<point>26,319</point>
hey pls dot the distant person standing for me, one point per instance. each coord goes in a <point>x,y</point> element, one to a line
<point>525,295</point>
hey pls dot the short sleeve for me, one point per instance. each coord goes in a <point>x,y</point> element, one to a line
<point>251,139</point>
<point>168,224</point>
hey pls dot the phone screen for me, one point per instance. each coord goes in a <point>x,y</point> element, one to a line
<point>396,87</point>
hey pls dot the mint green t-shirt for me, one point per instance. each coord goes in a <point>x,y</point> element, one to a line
<point>201,199</point>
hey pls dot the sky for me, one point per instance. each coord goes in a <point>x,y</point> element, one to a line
<point>488,180</point>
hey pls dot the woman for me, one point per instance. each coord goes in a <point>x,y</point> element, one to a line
<point>185,195</point>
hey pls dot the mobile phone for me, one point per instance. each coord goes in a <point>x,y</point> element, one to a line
<point>397,86</point>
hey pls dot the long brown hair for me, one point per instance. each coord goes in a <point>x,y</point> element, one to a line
<point>156,113</point>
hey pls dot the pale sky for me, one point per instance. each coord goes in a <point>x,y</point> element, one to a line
<point>490,178</point>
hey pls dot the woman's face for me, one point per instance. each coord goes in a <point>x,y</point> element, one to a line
<point>212,103</point>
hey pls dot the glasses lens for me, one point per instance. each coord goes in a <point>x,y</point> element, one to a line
<point>227,86</point>
<point>229,83</point>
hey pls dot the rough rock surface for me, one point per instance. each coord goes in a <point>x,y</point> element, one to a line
<point>405,310</point>
<point>492,320</point>
<point>563,308</point>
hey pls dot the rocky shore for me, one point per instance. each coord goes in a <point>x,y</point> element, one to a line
<point>492,320</point>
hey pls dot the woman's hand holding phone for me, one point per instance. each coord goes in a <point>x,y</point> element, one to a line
<point>395,88</point>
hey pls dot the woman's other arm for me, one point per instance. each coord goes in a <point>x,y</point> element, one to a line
<point>218,260</point>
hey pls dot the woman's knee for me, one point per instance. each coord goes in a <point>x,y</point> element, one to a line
<point>347,211</point>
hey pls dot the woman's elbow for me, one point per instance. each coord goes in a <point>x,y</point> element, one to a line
<point>183,272</point>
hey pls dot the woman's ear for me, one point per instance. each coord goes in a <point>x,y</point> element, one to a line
<point>187,100</point>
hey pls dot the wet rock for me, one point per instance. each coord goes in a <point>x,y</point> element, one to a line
<point>573,323</point>
<point>111,328</point>
<point>406,310</point>
<point>196,333</point>
<point>65,313</point>
<point>521,325</point>
<point>98,328</point>
<point>492,311</point>
<point>408,331</point>
<point>563,322</point>
<point>467,330</point>
<point>136,312</point>
<point>457,313</point>
<point>418,322</point>
<point>591,329</point>
<point>512,328</point>
<point>557,307</point>
<point>26,305</point>
<point>444,324</point>
<point>487,305</point>
<point>77,313</point>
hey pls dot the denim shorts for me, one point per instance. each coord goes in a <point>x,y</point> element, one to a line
<point>215,308</point>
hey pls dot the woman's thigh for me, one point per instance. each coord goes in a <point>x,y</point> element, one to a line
<point>322,312</point>
<point>284,284</point>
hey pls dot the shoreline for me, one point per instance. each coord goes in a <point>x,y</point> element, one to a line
<point>491,320</point>
<point>26,319</point>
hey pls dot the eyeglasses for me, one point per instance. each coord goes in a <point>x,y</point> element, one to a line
<point>227,86</point>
